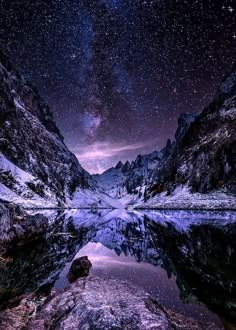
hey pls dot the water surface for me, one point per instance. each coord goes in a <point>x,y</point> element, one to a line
<point>184,259</point>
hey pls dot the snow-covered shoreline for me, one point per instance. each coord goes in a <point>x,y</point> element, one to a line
<point>184,199</point>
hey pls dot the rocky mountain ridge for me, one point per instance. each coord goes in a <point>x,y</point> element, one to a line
<point>36,167</point>
<point>201,159</point>
<point>132,177</point>
<point>205,157</point>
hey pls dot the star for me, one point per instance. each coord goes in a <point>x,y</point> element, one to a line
<point>120,71</point>
<point>229,9</point>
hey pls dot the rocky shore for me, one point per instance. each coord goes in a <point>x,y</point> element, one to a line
<point>18,227</point>
<point>107,303</point>
<point>96,303</point>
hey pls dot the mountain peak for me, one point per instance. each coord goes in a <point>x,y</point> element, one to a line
<point>184,121</point>
<point>119,165</point>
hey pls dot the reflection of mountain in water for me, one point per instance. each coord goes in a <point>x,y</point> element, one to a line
<point>38,262</point>
<point>204,261</point>
<point>200,249</point>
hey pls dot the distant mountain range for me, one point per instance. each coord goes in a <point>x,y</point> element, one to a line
<point>132,177</point>
<point>37,168</point>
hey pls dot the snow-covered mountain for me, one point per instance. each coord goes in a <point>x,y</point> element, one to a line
<point>36,167</point>
<point>201,169</point>
<point>197,170</point>
<point>131,177</point>
<point>204,156</point>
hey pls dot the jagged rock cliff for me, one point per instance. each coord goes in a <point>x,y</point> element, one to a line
<point>132,177</point>
<point>204,156</point>
<point>35,164</point>
<point>201,160</point>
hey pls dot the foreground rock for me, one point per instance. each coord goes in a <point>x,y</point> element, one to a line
<point>18,317</point>
<point>106,303</point>
<point>16,226</point>
<point>80,267</point>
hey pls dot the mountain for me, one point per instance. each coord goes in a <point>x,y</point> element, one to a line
<point>36,167</point>
<point>131,177</point>
<point>198,169</point>
<point>204,156</point>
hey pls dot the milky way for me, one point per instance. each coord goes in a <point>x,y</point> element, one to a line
<point>117,73</point>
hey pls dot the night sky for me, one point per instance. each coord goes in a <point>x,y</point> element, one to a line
<point>117,73</point>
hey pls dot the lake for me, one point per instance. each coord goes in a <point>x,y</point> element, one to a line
<point>185,259</point>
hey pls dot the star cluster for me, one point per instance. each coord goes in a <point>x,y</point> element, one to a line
<point>117,73</point>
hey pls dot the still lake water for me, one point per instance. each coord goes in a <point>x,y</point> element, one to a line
<point>185,259</point>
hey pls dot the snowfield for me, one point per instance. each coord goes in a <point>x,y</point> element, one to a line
<point>182,198</point>
<point>21,194</point>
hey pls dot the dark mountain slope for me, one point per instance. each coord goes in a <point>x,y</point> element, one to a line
<point>204,158</point>
<point>34,158</point>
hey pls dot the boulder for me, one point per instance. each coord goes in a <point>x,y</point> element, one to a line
<point>80,267</point>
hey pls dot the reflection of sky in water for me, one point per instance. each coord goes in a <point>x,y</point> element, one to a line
<point>153,279</point>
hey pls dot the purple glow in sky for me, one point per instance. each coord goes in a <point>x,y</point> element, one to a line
<point>117,73</point>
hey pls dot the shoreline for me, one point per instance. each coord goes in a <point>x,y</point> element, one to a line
<point>135,208</point>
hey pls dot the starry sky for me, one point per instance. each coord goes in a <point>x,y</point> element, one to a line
<point>117,73</point>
